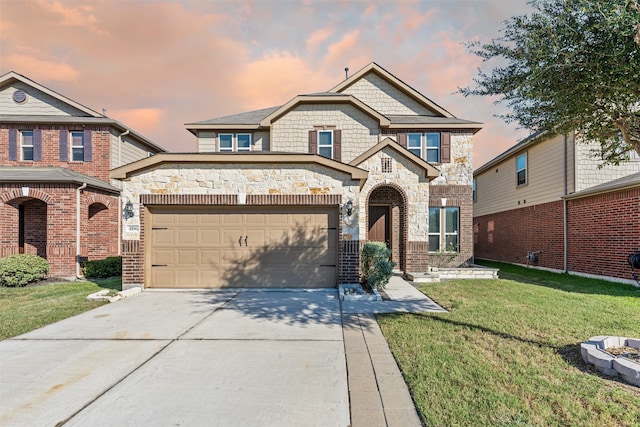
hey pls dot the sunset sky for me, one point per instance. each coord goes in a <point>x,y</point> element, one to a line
<point>157,65</point>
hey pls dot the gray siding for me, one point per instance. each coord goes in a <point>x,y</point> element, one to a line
<point>38,103</point>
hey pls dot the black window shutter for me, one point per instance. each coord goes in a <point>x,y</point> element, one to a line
<point>337,145</point>
<point>37,145</point>
<point>445,147</point>
<point>64,148</point>
<point>88,147</point>
<point>13,144</point>
<point>313,142</point>
<point>402,139</point>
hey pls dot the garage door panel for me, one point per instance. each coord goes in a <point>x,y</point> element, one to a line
<point>205,247</point>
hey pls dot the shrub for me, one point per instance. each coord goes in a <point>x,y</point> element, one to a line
<point>375,265</point>
<point>108,267</point>
<point>21,269</point>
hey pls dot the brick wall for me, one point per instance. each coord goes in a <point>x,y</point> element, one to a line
<point>100,140</point>
<point>510,235</point>
<point>50,224</point>
<point>603,231</point>
<point>349,261</point>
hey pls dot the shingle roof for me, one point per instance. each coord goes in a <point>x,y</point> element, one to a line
<point>26,174</point>
<point>248,118</point>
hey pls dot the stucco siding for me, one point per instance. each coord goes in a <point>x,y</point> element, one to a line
<point>38,103</point>
<point>497,188</point>
<point>359,130</point>
<point>384,97</point>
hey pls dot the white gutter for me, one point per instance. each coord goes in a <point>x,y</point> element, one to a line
<point>119,225</point>
<point>78,190</point>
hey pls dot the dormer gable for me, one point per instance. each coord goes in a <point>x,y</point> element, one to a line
<point>387,94</point>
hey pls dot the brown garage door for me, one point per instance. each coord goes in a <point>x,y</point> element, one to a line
<point>282,247</point>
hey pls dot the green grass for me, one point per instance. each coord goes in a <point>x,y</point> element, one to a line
<point>25,309</point>
<point>508,352</point>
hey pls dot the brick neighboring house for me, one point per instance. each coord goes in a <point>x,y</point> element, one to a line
<point>545,203</point>
<point>56,197</point>
<point>286,196</point>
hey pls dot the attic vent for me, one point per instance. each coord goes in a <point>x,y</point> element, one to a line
<point>19,96</point>
<point>387,165</point>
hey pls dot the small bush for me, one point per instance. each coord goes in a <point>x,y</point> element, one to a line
<point>108,267</point>
<point>375,265</point>
<point>21,269</point>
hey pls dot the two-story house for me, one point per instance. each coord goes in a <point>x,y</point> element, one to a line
<point>56,197</point>
<point>545,202</point>
<point>285,196</point>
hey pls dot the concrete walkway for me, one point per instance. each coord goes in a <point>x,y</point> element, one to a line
<point>377,391</point>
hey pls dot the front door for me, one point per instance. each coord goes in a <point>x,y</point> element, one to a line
<point>379,221</point>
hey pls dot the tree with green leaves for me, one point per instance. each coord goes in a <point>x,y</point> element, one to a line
<point>570,66</point>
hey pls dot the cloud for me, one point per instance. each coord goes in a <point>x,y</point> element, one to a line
<point>144,120</point>
<point>318,37</point>
<point>80,16</point>
<point>38,69</point>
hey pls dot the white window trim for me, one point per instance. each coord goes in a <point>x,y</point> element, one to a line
<point>71,146</point>
<point>236,141</point>
<point>414,148</point>
<point>442,232</point>
<point>525,169</point>
<point>23,145</point>
<point>220,149</point>
<point>330,132</point>
<point>436,149</point>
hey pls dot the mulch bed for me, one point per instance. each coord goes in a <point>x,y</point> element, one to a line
<point>626,352</point>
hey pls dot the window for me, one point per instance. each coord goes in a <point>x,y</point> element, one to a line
<point>444,229</point>
<point>77,146</point>
<point>414,143</point>
<point>521,169</point>
<point>325,143</point>
<point>237,142</point>
<point>474,191</point>
<point>433,147</point>
<point>26,144</point>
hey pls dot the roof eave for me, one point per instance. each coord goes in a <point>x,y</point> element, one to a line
<point>474,127</point>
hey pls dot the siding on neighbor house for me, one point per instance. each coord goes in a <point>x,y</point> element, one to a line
<point>497,190</point>
<point>360,131</point>
<point>384,97</point>
<point>38,103</point>
<point>588,173</point>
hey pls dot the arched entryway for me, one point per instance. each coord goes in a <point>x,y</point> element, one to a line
<point>387,220</point>
<point>28,226</point>
<point>99,231</point>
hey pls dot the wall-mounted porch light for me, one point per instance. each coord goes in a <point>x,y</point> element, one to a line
<point>127,211</point>
<point>349,207</point>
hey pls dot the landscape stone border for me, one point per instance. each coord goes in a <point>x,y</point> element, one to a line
<point>360,294</point>
<point>593,352</point>
<point>103,295</point>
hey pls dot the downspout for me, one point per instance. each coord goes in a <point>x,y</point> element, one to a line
<point>565,221</point>
<point>119,225</point>
<point>125,133</point>
<point>78,190</point>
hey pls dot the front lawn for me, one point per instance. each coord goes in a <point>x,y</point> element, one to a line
<point>25,309</point>
<point>508,351</point>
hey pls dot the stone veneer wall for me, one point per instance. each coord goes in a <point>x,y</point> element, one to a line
<point>587,172</point>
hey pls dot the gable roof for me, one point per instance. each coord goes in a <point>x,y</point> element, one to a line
<point>125,171</point>
<point>325,98</point>
<point>91,117</point>
<point>246,120</point>
<point>431,171</point>
<point>21,174</point>
<point>402,86</point>
<point>519,146</point>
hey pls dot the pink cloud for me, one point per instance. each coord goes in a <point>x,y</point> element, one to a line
<point>318,37</point>
<point>38,69</point>
<point>144,120</point>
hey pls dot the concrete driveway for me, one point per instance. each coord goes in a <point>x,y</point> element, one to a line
<point>183,358</point>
